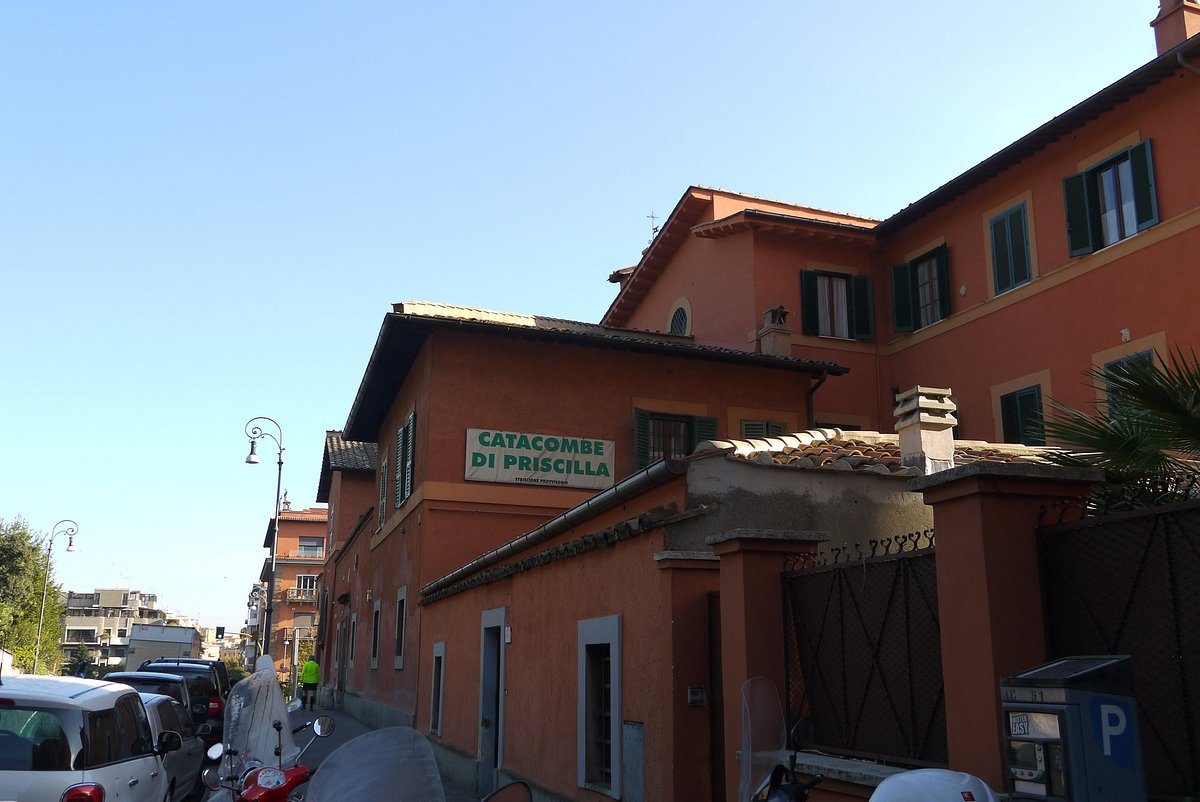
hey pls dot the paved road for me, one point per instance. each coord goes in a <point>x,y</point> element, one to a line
<point>347,728</point>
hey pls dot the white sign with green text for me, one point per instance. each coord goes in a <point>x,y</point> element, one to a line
<point>539,459</point>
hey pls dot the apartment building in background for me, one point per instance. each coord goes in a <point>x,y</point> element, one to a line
<point>102,620</point>
<point>299,560</point>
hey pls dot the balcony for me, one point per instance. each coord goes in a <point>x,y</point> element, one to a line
<point>305,555</point>
<point>300,595</point>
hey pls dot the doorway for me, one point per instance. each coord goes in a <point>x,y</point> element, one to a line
<point>491,699</point>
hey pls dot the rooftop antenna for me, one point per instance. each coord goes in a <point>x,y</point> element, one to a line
<point>653,226</point>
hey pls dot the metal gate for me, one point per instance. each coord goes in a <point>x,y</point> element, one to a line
<point>1129,583</point>
<point>863,651</point>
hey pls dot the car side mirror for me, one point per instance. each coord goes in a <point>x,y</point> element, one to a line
<point>204,729</point>
<point>169,741</point>
<point>215,751</point>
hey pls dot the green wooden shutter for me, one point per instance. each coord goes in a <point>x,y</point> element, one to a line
<point>703,429</point>
<point>1001,259</point>
<point>754,429</point>
<point>400,468</point>
<point>942,255</point>
<point>383,483</point>
<point>862,317</point>
<point>775,429</point>
<point>1079,215</point>
<point>1010,418</point>
<point>1018,245</point>
<point>810,313</point>
<point>641,438</point>
<point>410,436</point>
<point>1145,203</point>
<point>1029,405</point>
<point>904,314</point>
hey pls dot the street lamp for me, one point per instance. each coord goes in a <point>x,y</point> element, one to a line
<point>71,530</point>
<point>257,596</point>
<point>255,432</point>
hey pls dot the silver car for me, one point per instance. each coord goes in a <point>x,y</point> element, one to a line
<point>64,739</point>
<point>182,765</point>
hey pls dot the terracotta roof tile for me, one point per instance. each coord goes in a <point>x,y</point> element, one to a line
<point>861,452</point>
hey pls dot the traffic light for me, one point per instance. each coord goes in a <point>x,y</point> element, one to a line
<point>220,632</point>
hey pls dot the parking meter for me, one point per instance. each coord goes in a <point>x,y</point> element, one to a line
<point>1071,732</point>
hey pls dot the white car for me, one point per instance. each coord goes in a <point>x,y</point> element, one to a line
<point>64,739</point>
<point>182,765</point>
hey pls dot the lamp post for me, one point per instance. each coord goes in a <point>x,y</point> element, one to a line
<point>70,530</point>
<point>255,432</point>
<point>257,596</point>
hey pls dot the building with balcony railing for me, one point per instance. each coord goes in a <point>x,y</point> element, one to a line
<point>101,621</point>
<point>299,561</point>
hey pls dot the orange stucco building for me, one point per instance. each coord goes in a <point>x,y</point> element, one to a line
<point>299,561</point>
<point>1072,247</point>
<point>519,528</point>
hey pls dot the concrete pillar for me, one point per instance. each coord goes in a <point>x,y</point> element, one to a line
<point>989,591</point>
<point>752,619</point>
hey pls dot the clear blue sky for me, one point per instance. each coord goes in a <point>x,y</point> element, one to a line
<point>206,209</point>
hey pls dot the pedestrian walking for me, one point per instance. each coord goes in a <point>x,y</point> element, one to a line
<point>310,675</point>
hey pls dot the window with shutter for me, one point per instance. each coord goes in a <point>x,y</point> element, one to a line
<point>1010,249</point>
<point>1110,201</point>
<point>398,478</point>
<point>836,305</point>
<point>1021,416</point>
<point>921,291</point>
<point>758,429</point>
<point>658,435</point>
<point>410,437</point>
<point>383,472</point>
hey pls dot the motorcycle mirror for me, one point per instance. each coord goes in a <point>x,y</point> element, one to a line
<point>215,751</point>
<point>210,777</point>
<point>323,726</point>
<point>513,792</point>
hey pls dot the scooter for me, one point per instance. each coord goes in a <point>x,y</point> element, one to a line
<point>255,738</point>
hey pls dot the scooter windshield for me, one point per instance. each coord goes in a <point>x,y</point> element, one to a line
<point>764,735</point>
<point>390,765</point>
<point>254,705</point>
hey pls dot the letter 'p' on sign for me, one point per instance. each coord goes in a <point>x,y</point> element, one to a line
<point>1112,725</point>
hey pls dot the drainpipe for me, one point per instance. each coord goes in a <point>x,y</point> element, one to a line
<point>812,390</point>
<point>1187,65</point>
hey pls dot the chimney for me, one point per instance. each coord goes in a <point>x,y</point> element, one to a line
<point>775,337</point>
<point>925,420</point>
<point>1177,21</point>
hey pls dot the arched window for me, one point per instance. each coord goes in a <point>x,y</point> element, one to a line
<point>679,321</point>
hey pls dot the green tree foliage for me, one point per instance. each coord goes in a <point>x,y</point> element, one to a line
<point>1145,435</point>
<point>22,577</point>
<point>81,662</point>
<point>236,670</point>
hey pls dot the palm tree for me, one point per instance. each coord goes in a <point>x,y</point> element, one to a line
<point>1145,435</point>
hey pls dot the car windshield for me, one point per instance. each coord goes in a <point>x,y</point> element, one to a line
<point>38,739</point>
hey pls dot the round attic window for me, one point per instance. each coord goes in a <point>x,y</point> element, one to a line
<point>679,321</point>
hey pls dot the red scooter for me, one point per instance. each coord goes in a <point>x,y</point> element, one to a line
<point>259,760</point>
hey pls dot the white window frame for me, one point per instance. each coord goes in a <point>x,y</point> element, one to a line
<point>376,631</point>
<point>437,691</point>
<point>309,586</point>
<point>604,630</point>
<point>401,627</point>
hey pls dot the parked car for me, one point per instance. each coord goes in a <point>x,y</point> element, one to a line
<point>168,684</point>
<point>218,665</point>
<point>182,766</point>
<point>64,739</point>
<point>203,687</point>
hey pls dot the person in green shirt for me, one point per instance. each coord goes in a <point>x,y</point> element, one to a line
<point>310,675</point>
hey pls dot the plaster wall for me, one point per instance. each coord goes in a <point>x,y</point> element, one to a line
<point>849,507</point>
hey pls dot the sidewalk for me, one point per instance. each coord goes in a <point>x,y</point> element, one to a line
<point>347,728</point>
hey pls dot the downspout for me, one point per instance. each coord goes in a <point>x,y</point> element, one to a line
<point>1187,65</point>
<point>812,390</point>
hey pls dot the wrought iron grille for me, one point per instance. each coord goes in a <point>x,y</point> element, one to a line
<point>1129,583</point>
<point>863,650</point>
